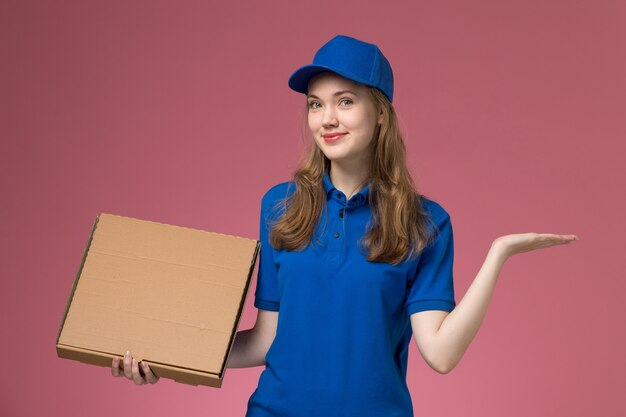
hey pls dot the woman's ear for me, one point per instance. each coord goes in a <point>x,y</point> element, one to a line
<point>380,116</point>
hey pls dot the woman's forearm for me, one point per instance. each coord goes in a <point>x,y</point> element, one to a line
<point>461,325</point>
<point>248,350</point>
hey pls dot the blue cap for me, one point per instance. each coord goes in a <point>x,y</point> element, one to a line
<point>351,58</point>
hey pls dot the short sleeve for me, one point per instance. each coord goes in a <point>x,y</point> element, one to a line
<point>266,295</point>
<point>432,287</point>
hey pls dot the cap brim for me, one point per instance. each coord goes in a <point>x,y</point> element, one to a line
<point>299,80</point>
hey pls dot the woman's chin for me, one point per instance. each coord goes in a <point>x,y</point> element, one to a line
<point>333,156</point>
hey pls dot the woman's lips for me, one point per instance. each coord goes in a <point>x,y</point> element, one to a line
<point>334,138</point>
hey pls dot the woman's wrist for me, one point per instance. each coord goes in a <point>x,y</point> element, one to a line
<point>499,251</point>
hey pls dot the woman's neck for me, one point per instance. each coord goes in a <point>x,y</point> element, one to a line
<point>348,180</point>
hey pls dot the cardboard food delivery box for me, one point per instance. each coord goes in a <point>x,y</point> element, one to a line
<point>171,295</point>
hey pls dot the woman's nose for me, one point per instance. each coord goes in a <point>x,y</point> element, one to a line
<point>330,117</point>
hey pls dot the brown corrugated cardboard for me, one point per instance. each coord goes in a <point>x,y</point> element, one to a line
<point>171,295</point>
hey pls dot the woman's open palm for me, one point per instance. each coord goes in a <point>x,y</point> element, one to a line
<point>526,242</point>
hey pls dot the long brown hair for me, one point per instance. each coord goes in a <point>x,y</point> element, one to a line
<point>398,228</point>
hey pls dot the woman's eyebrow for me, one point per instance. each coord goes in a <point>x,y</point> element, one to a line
<point>338,93</point>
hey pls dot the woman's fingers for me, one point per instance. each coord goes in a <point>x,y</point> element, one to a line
<point>128,371</point>
<point>115,367</point>
<point>139,373</point>
<point>137,378</point>
<point>151,378</point>
<point>525,242</point>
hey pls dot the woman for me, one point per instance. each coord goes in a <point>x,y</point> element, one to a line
<point>356,261</point>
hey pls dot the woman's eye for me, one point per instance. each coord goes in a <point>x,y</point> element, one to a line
<point>315,104</point>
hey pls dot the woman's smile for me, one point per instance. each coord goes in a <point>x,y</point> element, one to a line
<point>334,138</point>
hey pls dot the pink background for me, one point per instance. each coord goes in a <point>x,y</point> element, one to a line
<point>179,112</point>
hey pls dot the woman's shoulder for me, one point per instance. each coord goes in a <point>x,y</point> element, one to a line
<point>433,208</point>
<point>277,193</point>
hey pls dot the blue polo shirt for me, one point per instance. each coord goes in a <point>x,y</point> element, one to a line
<point>343,334</point>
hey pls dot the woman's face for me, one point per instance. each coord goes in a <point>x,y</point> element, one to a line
<point>343,107</point>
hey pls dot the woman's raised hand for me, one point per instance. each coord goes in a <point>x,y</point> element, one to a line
<point>140,374</point>
<point>526,242</point>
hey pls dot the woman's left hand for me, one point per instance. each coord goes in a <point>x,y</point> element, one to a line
<point>526,242</point>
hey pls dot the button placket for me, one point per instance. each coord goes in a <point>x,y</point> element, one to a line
<point>343,218</point>
<point>336,235</point>
<point>342,215</point>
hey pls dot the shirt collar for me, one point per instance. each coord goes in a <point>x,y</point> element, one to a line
<point>357,199</point>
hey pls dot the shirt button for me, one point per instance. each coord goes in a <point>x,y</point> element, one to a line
<point>341,213</point>
<point>336,234</point>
